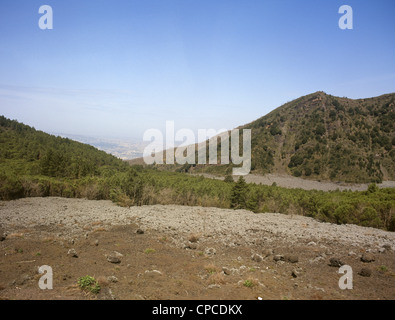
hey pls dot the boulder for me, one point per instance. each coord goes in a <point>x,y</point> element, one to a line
<point>291,258</point>
<point>72,253</point>
<point>335,262</point>
<point>365,272</point>
<point>367,257</point>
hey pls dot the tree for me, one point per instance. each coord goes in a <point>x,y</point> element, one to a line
<point>238,199</point>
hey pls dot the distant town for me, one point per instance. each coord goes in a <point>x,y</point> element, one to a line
<point>121,148</point>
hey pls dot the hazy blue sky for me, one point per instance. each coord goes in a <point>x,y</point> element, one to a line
<point>117,68</point>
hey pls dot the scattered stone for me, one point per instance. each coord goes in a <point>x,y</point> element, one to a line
<point>365,272</point>
<point>226,271</point>
<point>192,246</point>
<point>72,253</point>
<point>153,272</point>
<point>351,253</point>
<point>311,243</point>
<point>381,250</point>
<point>214,286</point>
<point>112,279</point>
<point>387,246</point>
<point>296,272</point>
<point>335,262</point>
<point>291,258</point>
<point>210,251</point>
<point>367,257</point>
<point>256,257</point>
<point>278,257</point>
<point>114,257</point>
<point>139,231</point>
<point>96,243</point>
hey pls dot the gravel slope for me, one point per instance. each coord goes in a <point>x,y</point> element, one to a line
<point>287,181</point>
<point>71,217</point>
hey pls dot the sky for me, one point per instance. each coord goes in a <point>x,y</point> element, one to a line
<point>118,68</point>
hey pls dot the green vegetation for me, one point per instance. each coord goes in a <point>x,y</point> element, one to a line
<point>89,283</point>
<point>248,283</point>
<point>27,170</point>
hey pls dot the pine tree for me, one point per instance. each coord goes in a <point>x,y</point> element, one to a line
<point>238,199</point>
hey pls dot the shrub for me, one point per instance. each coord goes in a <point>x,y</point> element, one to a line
<point>89,283</point>
<point>372,188</point>
<point>370,218</point>
<point>228,178</point>
<point>344,214</point>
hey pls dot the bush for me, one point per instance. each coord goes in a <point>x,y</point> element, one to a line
<point>89,283</point>
<point>370,218</point>
<point>228,178</point>
<point>373,188</point>
<point>344,214</point>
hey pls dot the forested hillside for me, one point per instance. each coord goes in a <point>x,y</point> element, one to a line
<point>36,164</point>
<point>31,162</point>
<point>325,137</point>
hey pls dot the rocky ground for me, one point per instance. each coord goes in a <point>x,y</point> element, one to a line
<point>175,252</point>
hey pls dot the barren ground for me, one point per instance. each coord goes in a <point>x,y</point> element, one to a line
<point>175,252</point>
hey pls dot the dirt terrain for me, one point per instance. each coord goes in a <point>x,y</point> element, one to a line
<point>175,252</point>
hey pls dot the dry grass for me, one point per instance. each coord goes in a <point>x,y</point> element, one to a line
<point>211,268</point>
<point>217,278</point>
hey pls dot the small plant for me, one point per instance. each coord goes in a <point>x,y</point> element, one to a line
<point>38,254</point>
<point>383,269</point>
<point>89,283</point>
<point>149,250</point>
<point>248,283</point>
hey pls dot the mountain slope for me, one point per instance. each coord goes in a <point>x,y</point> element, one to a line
<point>34,163</point>
<point>24,150</point>
<point>319,137</point>
<point>326,137</point>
